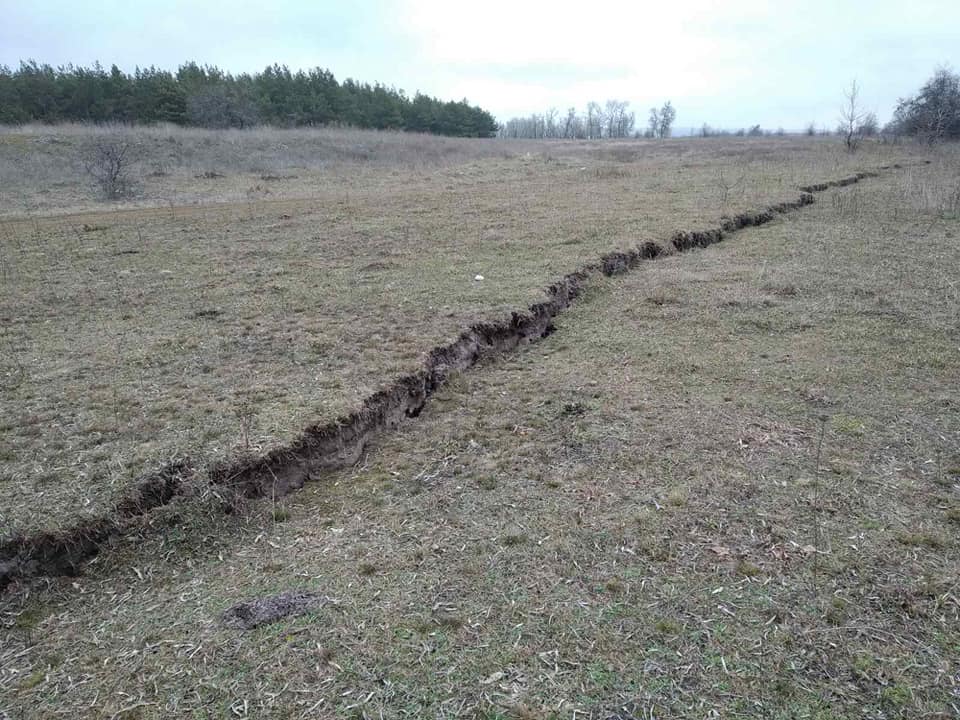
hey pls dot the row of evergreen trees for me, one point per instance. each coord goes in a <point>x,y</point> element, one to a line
<point>209,97</point>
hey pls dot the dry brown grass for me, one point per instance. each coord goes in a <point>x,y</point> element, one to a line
<point>138,334</point>
<point>713,506</point>
<point>42,166</point>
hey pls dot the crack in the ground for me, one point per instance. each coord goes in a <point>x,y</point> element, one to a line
<point>340,443</point>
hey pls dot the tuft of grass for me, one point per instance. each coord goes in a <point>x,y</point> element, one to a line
<point>487,482</point>
<point>615,587</point>
<point>677,497</point>
<point>601,674</point>
<point>837,611</point>
<point>28,618</point>
<point>448,621</point>
<point>33,680</point>
<point>922,538</point>
<point>667,627</point>
<point>896,696</point>
<point>656,549</point>
<point>748,569</point>
<point>848,425</point>
<point>864,667</point>
<point>513,538</point>
<point>785,290</point>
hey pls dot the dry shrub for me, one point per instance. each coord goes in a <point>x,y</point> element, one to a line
<point>108,165</point>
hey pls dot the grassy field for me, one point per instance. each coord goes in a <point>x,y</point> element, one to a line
<point>728,485</point>
<point>43,168</point>
<point>143,331</point>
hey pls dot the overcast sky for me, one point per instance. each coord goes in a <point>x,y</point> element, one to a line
<point>730,64</point>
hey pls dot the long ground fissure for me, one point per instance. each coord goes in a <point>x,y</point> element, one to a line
<point>325,447</point>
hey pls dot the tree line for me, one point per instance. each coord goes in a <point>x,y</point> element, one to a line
<point>611,120</point>
<point>207,96</point>
<point>933,113</point>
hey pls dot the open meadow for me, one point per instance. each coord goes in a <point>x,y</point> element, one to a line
<point>724,483</point>
<point>144,332</point>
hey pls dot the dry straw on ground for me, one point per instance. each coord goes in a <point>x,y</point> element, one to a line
<point>726,485</point>
<point>143,334</point>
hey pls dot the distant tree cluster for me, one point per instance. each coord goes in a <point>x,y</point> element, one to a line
<point>611,120</point>
<point>753,131</point>
<point>660,123</point>
<point>933,113</point>
<point>209,97</point>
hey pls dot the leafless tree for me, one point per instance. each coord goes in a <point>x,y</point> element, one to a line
<point>619,122</point>
<point>660,123</point>
<point>594,121</point>
<point>667,115</point>
<point>570,123</point>
<point>551,129</point>
<point>575,125</point>
<point>628,121</point>
<point>851,118</point>
<point>653,124</point>
<point>726,185</point>
<point>614,110</point>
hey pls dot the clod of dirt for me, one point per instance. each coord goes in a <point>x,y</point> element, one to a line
<point>254,613</point>
<point>207,314</point>
<point>377,265</point>
<point>573,408</point>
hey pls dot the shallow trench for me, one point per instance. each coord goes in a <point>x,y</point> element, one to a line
<point>340,443</point>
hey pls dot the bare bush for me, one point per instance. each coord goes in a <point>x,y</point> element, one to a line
<point>727,184</point>
<point>108,164</point>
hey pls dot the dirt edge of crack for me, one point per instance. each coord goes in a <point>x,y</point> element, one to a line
<point>338,444</point>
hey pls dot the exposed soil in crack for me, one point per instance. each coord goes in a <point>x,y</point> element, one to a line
<point>340,443</point>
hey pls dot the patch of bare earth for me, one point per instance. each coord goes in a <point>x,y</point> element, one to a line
<point>728,485</point>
